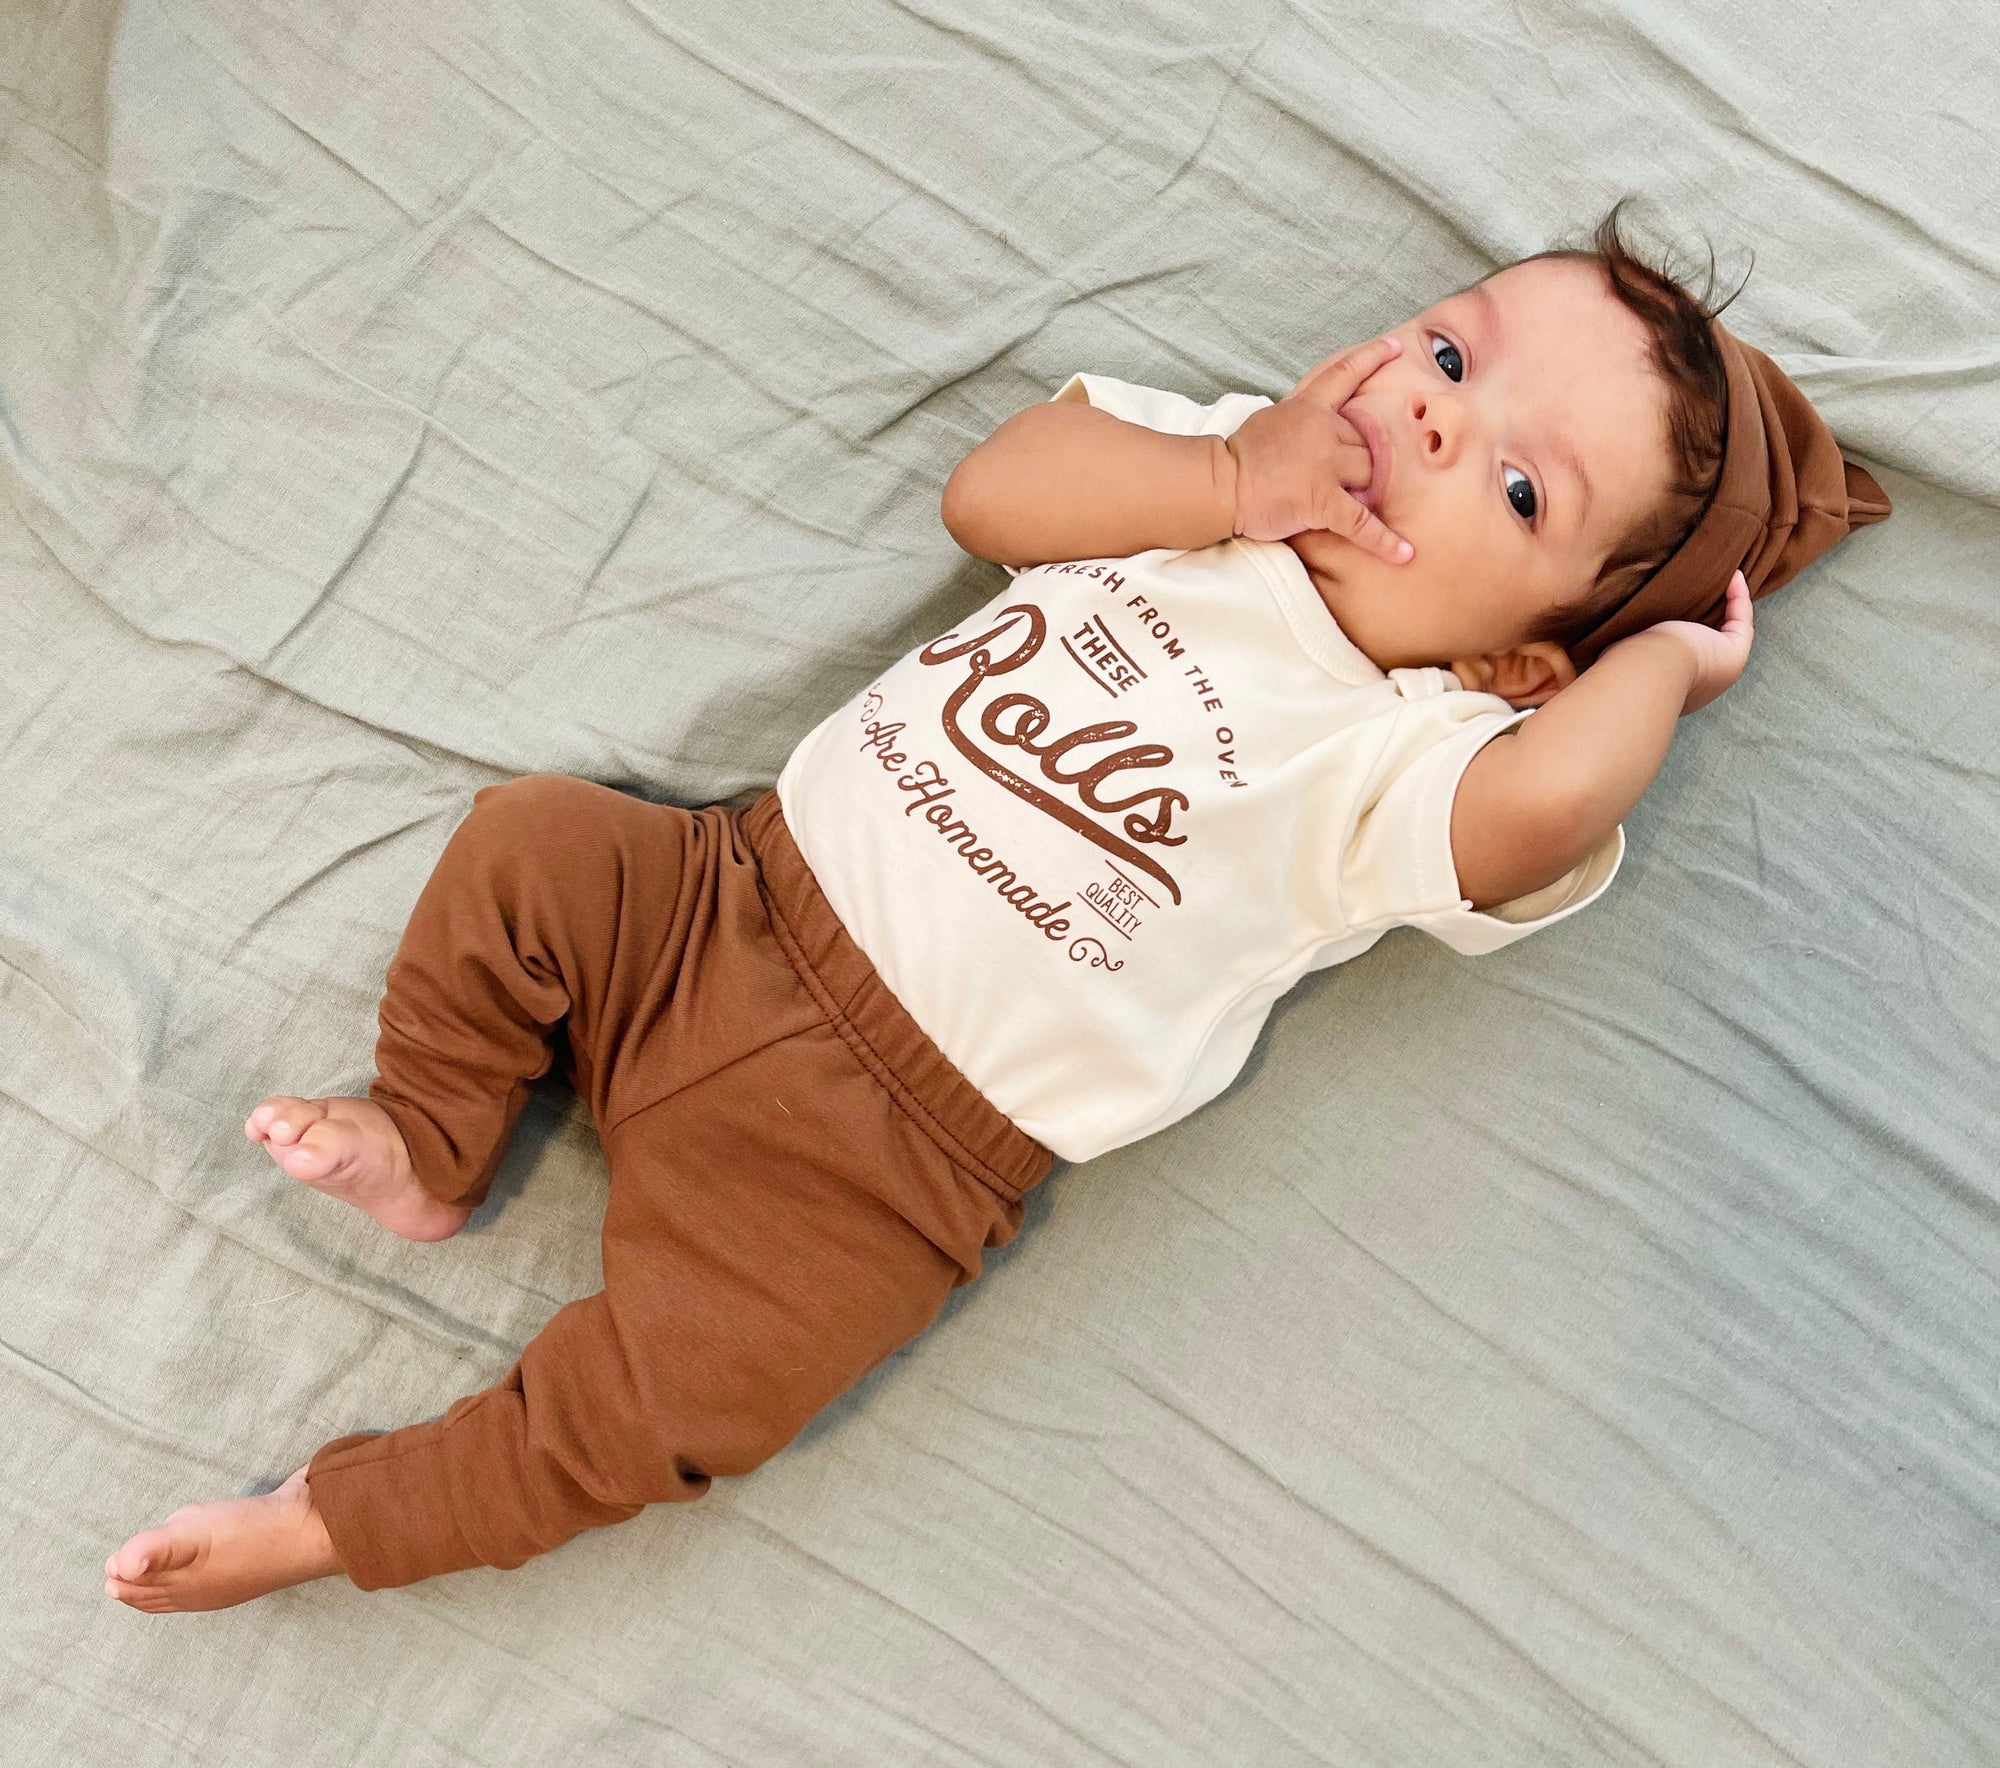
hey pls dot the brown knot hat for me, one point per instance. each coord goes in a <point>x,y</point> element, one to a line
<point>1783,497</point>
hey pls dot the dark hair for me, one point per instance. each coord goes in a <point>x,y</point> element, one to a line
<point>1684,353</point>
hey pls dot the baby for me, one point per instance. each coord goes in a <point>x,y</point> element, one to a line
<point>1401,648</point>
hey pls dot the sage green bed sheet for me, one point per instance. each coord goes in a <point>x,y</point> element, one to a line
<point>1581,1355</point>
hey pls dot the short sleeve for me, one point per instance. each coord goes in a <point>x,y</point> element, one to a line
<point>1174,413</point>
<point>1398,867</point>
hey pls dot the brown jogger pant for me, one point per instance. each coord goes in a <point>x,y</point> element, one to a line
<point>798,1175</point>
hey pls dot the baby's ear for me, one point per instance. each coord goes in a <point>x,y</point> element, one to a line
<point>1529,675</point>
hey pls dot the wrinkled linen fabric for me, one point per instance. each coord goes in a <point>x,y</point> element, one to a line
<point>1578,1355</point>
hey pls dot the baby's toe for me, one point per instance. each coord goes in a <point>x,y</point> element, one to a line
<point>309,1158</point>
<point>284,1120</point>
<point>152,1553</point>
<point>131,1562</point>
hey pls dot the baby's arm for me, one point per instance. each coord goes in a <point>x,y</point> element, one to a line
<point>1066,481</point>
<point>1062,481</point>
<point>1536,802</point>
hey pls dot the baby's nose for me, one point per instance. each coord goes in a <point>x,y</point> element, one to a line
<point>1437,425</point>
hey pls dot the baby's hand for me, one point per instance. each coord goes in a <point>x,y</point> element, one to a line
<point>1719,657</point>
<point>1295,460</point>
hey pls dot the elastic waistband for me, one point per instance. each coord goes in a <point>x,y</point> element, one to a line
<point>959,1118</point>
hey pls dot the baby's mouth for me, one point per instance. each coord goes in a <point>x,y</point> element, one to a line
<point>1380,454</point>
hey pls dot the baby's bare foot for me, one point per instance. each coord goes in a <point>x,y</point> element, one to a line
<point>351,1149</point>
<point>217,1555</point>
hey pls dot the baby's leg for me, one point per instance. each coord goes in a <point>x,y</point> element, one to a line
<point>757,1264</point>
<point>515,929</point>
<point>553,897</point>
<point>798,1179</point>
<point>754,1268</point>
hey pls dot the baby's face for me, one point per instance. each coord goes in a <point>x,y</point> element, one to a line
<point>1525,433</point>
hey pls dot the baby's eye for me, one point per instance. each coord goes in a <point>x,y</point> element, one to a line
<point>1520,492</point>
<point>1445,354</point>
